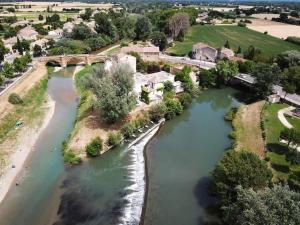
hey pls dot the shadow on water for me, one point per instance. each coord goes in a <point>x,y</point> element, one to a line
<point>207,202</point>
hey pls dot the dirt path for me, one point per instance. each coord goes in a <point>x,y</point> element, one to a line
<point>282,118</point>
<point>21,87</point>
<point>249,135</point>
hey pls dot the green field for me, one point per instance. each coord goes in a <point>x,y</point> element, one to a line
<point>216,36</point>
<point>34,15</point>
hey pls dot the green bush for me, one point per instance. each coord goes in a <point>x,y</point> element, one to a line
<point>114,138</point>
<point>70,157</point>
<point>128,130</point>
<point>157,111</point>
<point>295,40</point>
<point>185,99</point>
<point>232,135</point>
<point>15,99</point>
<point>93,149</point>
<point>229,116</point>
<point>173,108</point>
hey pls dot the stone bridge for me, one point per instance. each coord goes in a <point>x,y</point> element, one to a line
<point>64,60</point>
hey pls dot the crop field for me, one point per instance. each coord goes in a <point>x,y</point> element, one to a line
<point>216,36</point>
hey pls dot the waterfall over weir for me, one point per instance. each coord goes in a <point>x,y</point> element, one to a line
<point>136,191</point>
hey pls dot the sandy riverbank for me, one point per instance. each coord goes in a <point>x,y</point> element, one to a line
<point>22,149</point>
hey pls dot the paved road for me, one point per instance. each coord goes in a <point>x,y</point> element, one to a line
<point>188,61</point>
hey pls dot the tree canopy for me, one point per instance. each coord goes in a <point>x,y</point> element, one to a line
<point>239,168</point>
<point>113,91</point>
<point>275,206</point>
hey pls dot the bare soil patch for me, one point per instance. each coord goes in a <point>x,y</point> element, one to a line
<point>276,29</point>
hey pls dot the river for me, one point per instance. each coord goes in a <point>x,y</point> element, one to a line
<point>109,190</point>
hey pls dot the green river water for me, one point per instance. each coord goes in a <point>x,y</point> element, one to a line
<point>109,190</point>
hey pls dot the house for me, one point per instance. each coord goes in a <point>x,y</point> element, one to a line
<point>225,53</point>
<point>41,42</point>
<point>121,58</point>
<point>68,27</point>
<point>55,34</point>
<point>21,23</point>
<point>154,84</point>
<point>204,52</point>
<point>147,53</point>
<point>28,33</point>
<point>9,43</point>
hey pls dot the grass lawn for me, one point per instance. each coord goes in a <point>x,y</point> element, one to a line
<point>216,36</point>
<point>278,153</point>
<point>295,122</point>
<point>273,126</point>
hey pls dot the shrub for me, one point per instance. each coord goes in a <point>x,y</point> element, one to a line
<point>114,138</point>
<point>280,167</point>
<point>145,95</point>
<point>229,116</point>
<point>266,32</point>
<point>185,99</point>
<point>241,24</point>
<point>93,149</point>
<point>295,40</point>
<point>70,157</point>
<point>232,135</point>
<point>173,108</point>
<point>157,111</point>
<point>15,99</point>
<point>166,68</point>
<point>128,130</point>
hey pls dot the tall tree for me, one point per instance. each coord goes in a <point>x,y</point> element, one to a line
<point>3,51</point>
<point>143,28</point>
<point>87,14</point>
<point>266,76</point>
<point>225,70</point>
<point>239,168</point>
<point>104,25</point>
<point>7,70</point>
<point>275,206</point>
<point>179,24</point>
<point>113,91</point>
<point>159,39</point>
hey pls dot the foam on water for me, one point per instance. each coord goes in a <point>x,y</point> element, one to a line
<point>136,191</point>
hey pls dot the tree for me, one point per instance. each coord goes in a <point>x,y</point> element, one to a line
<point>226,45</point>
<point>41,17</point>
<point>239,168</point>
<point>1,79</point>
<point>159,39</point>
<point>291,135</point>
<point>278,205</point>
<point>252,53</point>
<point>94,148</point>
<point>294,14</point>
<point>81,32</point>
<point>288,59</point>
<point>225,69</point>
<point>239,50</point>
<point>37,51</point>
<point>179,24</point>
<point>19,46</point>
<point>207,78</point>
<point>114,92</point>
<point>87,14</point>
<point>143,28</point>
<point>104,25</point>
<point>168,86</point>
<point>266,76</point>
<point>114,138</point>
<point>291,77</point>
<point>289,89</point>
<point>3,51</point>
<point>7,70</point>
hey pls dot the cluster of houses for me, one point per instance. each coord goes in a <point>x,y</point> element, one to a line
<point>152,83</point>
<point>30,34</point>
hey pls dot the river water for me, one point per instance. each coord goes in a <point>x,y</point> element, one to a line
<point>109,190</point>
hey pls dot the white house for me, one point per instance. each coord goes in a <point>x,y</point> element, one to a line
<point>41,42</point>
<point>68,27</point>
<point>8,43</point>
<point>121,58</point>
<point>147,53</point>
<point>225,53</point>
<point>28,33</point>
<point>154,84</point>
<point>55,34</point>
<point>204,52</point>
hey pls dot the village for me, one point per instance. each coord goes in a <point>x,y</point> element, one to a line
<point>87,88</point>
